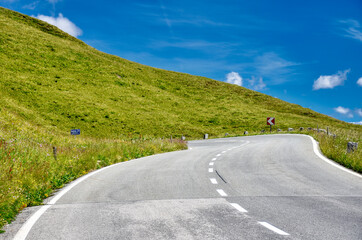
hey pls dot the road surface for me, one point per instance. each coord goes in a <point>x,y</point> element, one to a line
<point>256,187</point>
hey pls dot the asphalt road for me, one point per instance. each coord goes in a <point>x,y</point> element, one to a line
<point>257,187</point>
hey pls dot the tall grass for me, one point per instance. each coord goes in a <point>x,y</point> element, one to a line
<point>29,171</point>
<point>335,147</point>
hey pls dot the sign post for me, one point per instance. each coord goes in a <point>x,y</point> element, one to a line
<point>270,121</point>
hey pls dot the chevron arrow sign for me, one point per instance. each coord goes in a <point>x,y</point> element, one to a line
<point>270,121</point>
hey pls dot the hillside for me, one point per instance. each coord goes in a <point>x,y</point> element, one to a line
<point>54,80</point>
<point>51,82</point>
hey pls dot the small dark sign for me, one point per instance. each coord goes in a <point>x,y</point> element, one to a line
<point>75,131</point>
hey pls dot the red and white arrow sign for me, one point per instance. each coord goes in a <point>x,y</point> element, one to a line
<point>270,121</point>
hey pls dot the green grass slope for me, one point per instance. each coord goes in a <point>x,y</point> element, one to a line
<point>51,82</point>
<point>55,80</point>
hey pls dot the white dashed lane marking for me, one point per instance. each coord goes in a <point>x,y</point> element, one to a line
<point>238,207</point>
<point>221,192</point>
<point>272,228</point>
<point>213,180</point>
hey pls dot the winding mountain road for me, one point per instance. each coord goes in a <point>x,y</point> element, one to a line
<point>256,187</point>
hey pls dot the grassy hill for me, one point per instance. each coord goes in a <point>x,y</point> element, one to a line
<point>56,81</point>
<point>51,82</point>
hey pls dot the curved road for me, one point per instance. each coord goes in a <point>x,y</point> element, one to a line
<point>257,187</point>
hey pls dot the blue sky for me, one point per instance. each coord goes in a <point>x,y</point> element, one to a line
<point>304,52</point>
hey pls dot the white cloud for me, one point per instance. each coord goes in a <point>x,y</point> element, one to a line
<point>200,45</point>
<point>359,81</point>
<point>359,112</point>
<point>63,23</point>
<point>54,1</point>
<point>31,6</point>
<point>256,84</point>
<point>331,81</point>
<point>253,83</point>
<point>344,111</point>
<point>353,30</point>
<point>270,65</point>
<point>197,21</point>
<point>234,78</point>
<point>270,62</point>
<point>358,123</point>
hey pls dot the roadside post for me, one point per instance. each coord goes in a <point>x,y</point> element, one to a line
<point>352,146</point>
<point>55,153</point>
<point>270,121</point>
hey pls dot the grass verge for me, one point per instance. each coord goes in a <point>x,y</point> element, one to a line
<point>335,147</point>
<point>30,172</point>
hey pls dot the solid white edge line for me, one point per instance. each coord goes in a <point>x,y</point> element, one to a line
<point>221,192</point>
<point>211,164</point>
<point>318,153</point>
<point>73,184</point>
<point>238,207</point>
<point>274,229</point>
<point>26,227</point>
<point>211,170</point>
<point>213,180</point>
